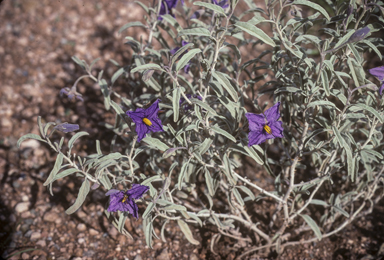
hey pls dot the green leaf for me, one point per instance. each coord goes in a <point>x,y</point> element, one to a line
<point>180,51</point>
<point>370,109</point>
<point>338,136</point>
<point>156,143</point>
<point>187,232</point>
<point>131,24</point>
<point>176,104</point>
<point>312,224</point>
<point>350,162</point>
<point>220,131</point>
<point>204,146</point>
<point>150,66</point>
<point>29,136</point>
<point>238,196</point>
<point>104,89</point>
<point>195,32</point>
<point>83,192</point>
<point>248,191</point>
<point>312,5</point>
<point>181,174</point>
<point>209,182</point>
<point>324,78</point>
<point>322,103</point>
<point>222,79</point>
<point>186,58</point>
<point>74,138</point>
<point>213,7</point>
<point>318,202</point>
<point>117,74</point>
<point>148,210</point>
<point>122,219</point>
<point>55,170</point>
<point>65,173</point>
<point>256,32</point>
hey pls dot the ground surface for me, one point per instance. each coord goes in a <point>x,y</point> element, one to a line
<point>37,40</point>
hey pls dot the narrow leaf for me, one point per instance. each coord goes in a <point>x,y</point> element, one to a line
<point>256,32</point>
<point>187,232</point>
<point>83,192</point>
<point>312,224</point>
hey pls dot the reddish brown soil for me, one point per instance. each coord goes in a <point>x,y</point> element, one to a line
<point>37,40</point>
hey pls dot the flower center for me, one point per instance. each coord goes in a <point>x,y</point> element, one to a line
<point>125,198</point>
<point>268,129</point>
<point>147,121</point>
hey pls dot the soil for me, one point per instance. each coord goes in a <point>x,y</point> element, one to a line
<point>37,40</point>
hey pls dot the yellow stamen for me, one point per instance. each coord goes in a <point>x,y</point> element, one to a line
<point>125,198</point>
<point>147,121</point>
<point>268,129</point>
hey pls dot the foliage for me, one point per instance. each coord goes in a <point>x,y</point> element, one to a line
<point>328,168</point>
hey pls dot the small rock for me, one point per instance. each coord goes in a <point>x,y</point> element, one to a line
<point>193,257</point>
<point>50,216</point>
<point>31,143</point>
<point>26,214</point>
<point>35,236</point>
<point>163,255</point>
<point>28,234</point>
<point>81,240</point>
<point>81,227</point>
<point>137,258</point>
<point>21,207</point>
<point>93,232</point>
<point>41,243</point>
<point>25,256</point>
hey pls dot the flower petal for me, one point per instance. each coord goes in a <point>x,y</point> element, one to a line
<point>256,137</point>
<point>137,191</point>
<point>136,116</point>
<point>256,121</point>
<point>156,125</point>
<point>272,114</point>
<point>381,89</point>
<point>277,129</point>
<point>378,72</point>
<point>141,130</point>
<point>152,110</point>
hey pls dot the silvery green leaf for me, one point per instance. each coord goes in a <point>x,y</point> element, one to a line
<point>182,174</point>
<point>122,219</point>
<point>213,7</point>
<point>195,32</point>
<point>222,79</point>
<point>148,232</point>
<point>83,192</point>
<point>150,66</point>
<point>344,39</point>
<point>338,136</point>
<point>65,173</point>
<point>360,106</point>
<point>186,58</point>
<point>55,170</point>
<point>104,89</point>
<point>322,103</point>
<point>205,106</point>
<point>172,207</point>
<point>79,62</point>
<point>312,5</point>
<point>106,182</point>
<point>235,49</point>
<point>312,224</point>
<point>171,151</point>
<point>187,232</point>
<point>74,138</point>
<point>228,170</point>
<point>29,136</point>
<point>176,103</point>
<point>220,131</point>
<point>117,74</point>
<point>341,211</point>
<point>195,217</point>
<point>248,191</point>
<point>131,24</point>
<point>318,202</point>
<point>180,51</point>
<point>374,48</point>
<point>324,78</point>
<point>209,182</point>
<point>143,6</point>
<point>156,143</point>
<point>204,146</point>
<point>350,162</point>
<point>256,32</point>
<point>238,196</point>
<point>152,179</point>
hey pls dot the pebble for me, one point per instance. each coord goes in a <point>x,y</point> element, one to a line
<point>21,207</point>
<point>41,243</point>
<point>163,255</point>
<point>81,240</point>
<point>193,257</point>
<point>93,232</point>
<point>81,227</point>
<point>35,235</point>
<point>28,234</point>
<point>25,256</point>
<point>51,216</point>
<point>137,258</point>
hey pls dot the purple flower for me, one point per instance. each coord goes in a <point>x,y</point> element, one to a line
<point>71,93</point>
<point>187,106</point>
<point>264,126</point>
<point>124,201</point>
<point>66,128</point>
<point>166,7</point>
<point>379,73</point>
<point>146,120</point>
<point>359,35</point>
<point>222,4</point>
